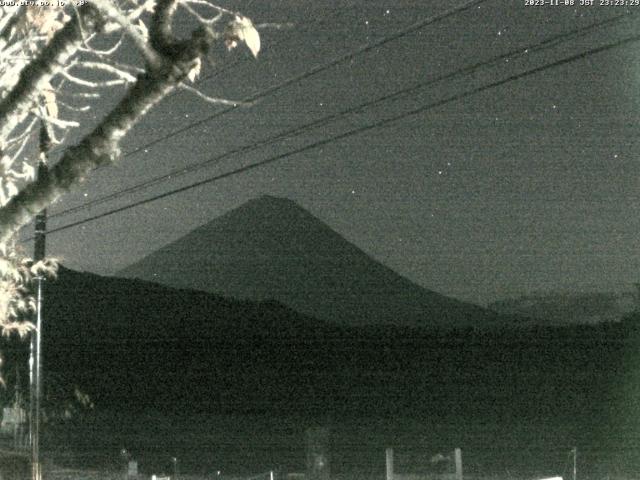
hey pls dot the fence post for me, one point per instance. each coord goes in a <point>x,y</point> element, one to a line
<point>318,467</point>
<point>458,455</point>
<point>389,454</point>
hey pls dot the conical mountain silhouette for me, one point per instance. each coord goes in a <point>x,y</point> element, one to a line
<point>271,248</point>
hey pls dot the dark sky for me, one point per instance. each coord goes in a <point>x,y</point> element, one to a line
<point>529,186</point>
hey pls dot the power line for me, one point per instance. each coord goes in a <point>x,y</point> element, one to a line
<point>548,43</point>
<point>335,13</point>
<point>359,130</point>
<point>202,79</point>
<point>317,69</point>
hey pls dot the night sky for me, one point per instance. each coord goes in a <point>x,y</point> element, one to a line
<point>528,186</point>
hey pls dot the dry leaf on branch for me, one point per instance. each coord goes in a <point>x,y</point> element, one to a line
<point>50,102</point>
<point>195,71</point>
<point>45,19</point>
<point>241,29</point>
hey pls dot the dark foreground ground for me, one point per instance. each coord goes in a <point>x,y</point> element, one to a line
<point>246,445</point>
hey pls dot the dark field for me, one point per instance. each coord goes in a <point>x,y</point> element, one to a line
<point>236,390</point>
<point>246,445</point>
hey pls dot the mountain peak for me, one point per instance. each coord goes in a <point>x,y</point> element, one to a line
<point>269,203</point>
<point>272,199</point>
<point>272,248</point>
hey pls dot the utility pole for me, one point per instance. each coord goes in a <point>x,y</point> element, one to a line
<point>575,461</point>
<point>35,357</point>
<point>458,460</point>
<point>389,457</point>
<point>18,428</point>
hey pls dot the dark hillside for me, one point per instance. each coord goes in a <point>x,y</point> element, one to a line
<point>138,347</point>
<point>271,248</point>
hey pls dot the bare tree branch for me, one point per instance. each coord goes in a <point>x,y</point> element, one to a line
<point>209,99</point>
<point>160,32</point>
<point>102,145</point>
<point>36,75</point>
<point>12,25</point>
<point>114,13</point>
<point>39,50</point>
